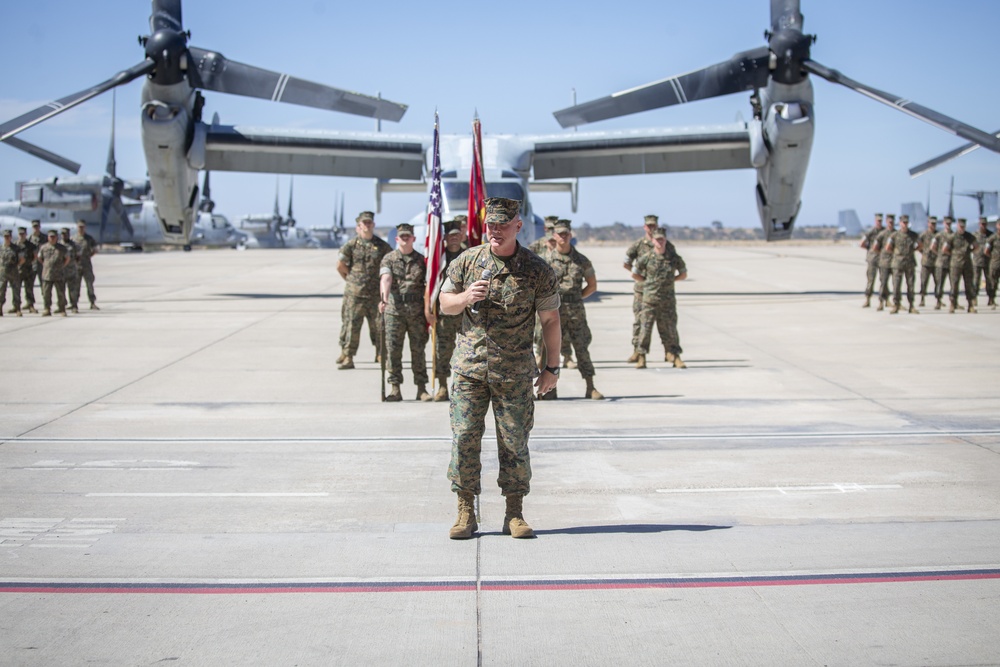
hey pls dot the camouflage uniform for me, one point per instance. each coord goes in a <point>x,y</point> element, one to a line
<point>404,314</point>
<point>52,257</point>
<point>884,263</point>
<point>571,270</point>
<point>27,272</point>
<point>540,247</point>
<point>11,257</point>
<point>632,255</point>
<point>871,259</point>
<point>927,258</point>
<point>941,263</point>
<point>71,273</point>
<point>493,363</point>
<point>980,262</point>
<point>993,276</point>
<point>446,329</point>
<point>960,249</point>
<point>362,259</point>
<point>659,301</point>
<point>88,248</point>
<point>903,244</point>
<point>37,239</point>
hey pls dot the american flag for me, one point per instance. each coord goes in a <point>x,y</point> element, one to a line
<point>477,187</point>
<point>435,239</point>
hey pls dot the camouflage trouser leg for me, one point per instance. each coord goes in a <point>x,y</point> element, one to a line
<point>872,275</point>
<point>958,274</point>
<point>977,277</point>
<point>514,415</point>
<point>636,318</point>
<point>409,323</point>
<point>575,332</point>
<point>649,316</point>
<point>87,274</point>
<point>926,271</point>
<point>898,274</point>
<point>941,274</point>
<point>356,310</point>
<point>345,326</point>
<point>445,332</point>
<point>60,288</point>
<point>885,275</point>
<point>991,281</point>
<point>15,291</point>
<point>28,282</point>
<point>73,287</point>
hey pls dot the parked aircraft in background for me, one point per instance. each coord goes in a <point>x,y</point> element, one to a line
<point>272,230</point>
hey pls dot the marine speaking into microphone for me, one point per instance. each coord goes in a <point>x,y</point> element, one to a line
<point>494,364</point>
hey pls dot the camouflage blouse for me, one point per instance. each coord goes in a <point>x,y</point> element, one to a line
<point>363,259</point>
<point>659,272</point>
<point>87,245</point>
<point>926,239</point>
<point>52,258</point>
<point>495,343</point>
<point>904,245</point>
<point>409,279</point>
<point>10,258</point>
<point>960,247</point>
<point>571,270</point>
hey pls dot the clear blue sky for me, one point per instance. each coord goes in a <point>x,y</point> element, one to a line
<point>516,62</point>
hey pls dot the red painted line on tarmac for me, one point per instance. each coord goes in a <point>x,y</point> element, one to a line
<point>520,585</point>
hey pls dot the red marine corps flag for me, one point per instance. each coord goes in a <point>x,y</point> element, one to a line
<point>435,239</point>
<point>477,188</point>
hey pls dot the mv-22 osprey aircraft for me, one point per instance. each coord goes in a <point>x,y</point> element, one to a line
<point>777,142</point>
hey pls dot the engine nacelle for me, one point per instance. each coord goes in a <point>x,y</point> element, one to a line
<point>166,133</point>
<point>788,135</point>
<point>42,195</point>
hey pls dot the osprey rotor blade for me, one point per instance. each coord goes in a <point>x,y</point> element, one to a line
<point>213,71</point>
<point>40,152</point>
<point>744,71</point>
<point>46,111</point>
<point>166,14</point>
<point>785,14</point>
<point>964,149</point>
<point>939,120</point>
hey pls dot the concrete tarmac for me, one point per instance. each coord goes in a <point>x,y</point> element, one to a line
<point>186,477</point>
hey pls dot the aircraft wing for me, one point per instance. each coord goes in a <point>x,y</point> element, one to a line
<point>653,151</point>
<point>314,152</point>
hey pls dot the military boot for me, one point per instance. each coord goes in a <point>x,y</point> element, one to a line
<point>669,357</point>
<point>951,308</point>
<point>972,307</point>
<point>868,302</point>
<point>46,313</point>
<point>340,359</point>
<point>394,395</point>
<point>75,309</point>
<point>640,361</point>
<point>465,524</point>
<point>422,394</point>
<point>634,358</point>
<point>93,306</point>
<point>881,304</point>
<point>32,309</point>
<point>513,521</point>
<point>347,363</point>
<point>678,362</point>
<point>568,362</point>
<point>913,311</point>
<point>922,304</point>
<point>441,395</point>
<point>17,312</point>
<point>591,392</point>
<point>937,306</point>
<point>895,309</point>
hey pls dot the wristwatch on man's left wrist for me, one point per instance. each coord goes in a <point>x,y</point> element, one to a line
<point>553,369</point>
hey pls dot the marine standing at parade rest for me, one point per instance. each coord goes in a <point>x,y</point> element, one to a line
<point>39,239</point>
<point>634,252</point>
<point>402,283</point>
<point>27,273</point>
<point>980,262</point>
<point>88,248</point>
<point>871,258</point>
<point>71,274</point>
<point>572,270</point>
<point>545,243</point>
<point>927,257</point>
<point>359,262</point>
<point>941,262</point>
<point>541,247</point>
<point>959,249</point>
<point>53,259</point>
<point>657,271</point>
<point>885,260</point>
<point>493,361</point>
<point>446,327</point>
<point>993,252</point>
<point>903,244</point>
<point>11,260</point>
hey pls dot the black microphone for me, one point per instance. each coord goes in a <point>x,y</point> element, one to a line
<point>487,274</point>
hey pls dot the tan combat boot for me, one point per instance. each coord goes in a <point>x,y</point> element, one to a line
<point>868,302</point>
<point>937,306</point>
<point>46,313</point>
<point>913,311</point>
<point>640,361</point>
<point>895,309</point>
<point>591,392</point>
<point>972,307</point>
<point>568,362</point>
<point>678,362</point>
<point>513,521</point>
<point>422,394</point>
<point>881,304</point>
<point>93,306</point>
<point>951,308</point>
<point>465,524</point>
<point>922,304</point>
<point>394,396</point>
<point>32,309</point>
<point>441,395</point>
<point>347,363</point>
<point>342,357</point>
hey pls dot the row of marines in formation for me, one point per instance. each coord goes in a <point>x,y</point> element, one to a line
<point>947,256</point>
<point>382,282</point>
<point>60,264</point>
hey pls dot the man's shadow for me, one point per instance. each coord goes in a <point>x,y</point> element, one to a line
<point>632,529</point>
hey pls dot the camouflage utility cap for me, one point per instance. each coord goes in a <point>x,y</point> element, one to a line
<point>7,232</point>
<point>456,226</point>
<point>660,233</point>
<point>462,218</point>
<point>651,220</point>
<point>365,215</point>
<point>404,228</point>
<point>563,225</point>
<point>500,211</point>
<point>550,221</point>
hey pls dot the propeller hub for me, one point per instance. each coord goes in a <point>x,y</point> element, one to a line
<point>168,49</point>
<point>789,47</point>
